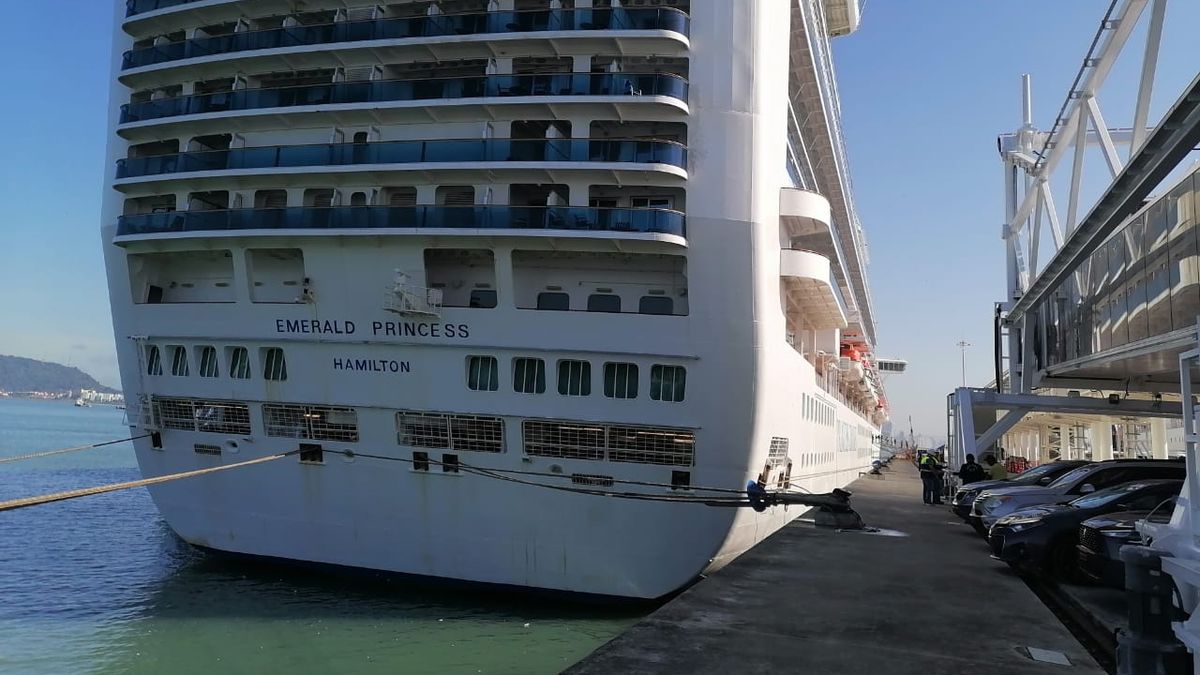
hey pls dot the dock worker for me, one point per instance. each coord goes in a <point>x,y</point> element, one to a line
<point>931,478</point>
<point>995,470</point>
<point>971,471</point>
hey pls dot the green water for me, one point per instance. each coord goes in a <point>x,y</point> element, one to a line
<point>100,585</point>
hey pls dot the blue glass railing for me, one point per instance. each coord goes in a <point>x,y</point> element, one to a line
<point>133,7</point>
<point>401,217</point>
<point>480,23</point>
<point>375,91</point>
<point>409,152</point>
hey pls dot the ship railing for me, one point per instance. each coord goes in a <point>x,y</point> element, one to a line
<point>413,300</point>
<point>425,26</point>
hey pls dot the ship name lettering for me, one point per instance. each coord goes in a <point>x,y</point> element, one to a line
<point>314,326</point>
<point>373,365</point>
<point>420,329</point>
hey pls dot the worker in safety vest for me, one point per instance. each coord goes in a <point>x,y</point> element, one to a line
<point>931,479</point>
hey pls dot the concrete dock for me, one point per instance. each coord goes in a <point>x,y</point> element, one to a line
<point>920,597</point>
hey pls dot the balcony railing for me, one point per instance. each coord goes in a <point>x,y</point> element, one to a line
<point>133,7</point>
<point>571,218</point>
<point>440,25</point>
<point>409,152</point>
<point>376,91</point>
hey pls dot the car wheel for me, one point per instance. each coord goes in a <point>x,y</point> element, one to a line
<point>1063,560</point>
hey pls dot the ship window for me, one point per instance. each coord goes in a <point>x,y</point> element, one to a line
<point>529,376</point>
<point>667,383</point>
<point>483,299</point>
<point>473,433</point>
<point>153,360</point>
<point>483,373</point>
<point>554,301</point>
<point>574,378</point>
<point>208,362</point>
<point>620,380</point>
<point>604,302</point>
<point>239,363</point>
<point>179,361</point>
<point>656,304</point>
<point>274,364</point>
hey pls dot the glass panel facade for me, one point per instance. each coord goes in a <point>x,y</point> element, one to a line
<point>403,217</point>
<point>399,28</point>
<point>378,91</point>
<point>1141,283</point>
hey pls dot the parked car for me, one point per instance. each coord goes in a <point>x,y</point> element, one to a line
<point>1039,475</point>
<point>1044,538</point>
<point>1101,539</point>
<point>995,503</point>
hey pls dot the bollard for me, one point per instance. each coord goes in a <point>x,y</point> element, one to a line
<point>1149,645</point>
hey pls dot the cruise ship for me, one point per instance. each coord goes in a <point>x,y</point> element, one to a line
<point>478,264</point>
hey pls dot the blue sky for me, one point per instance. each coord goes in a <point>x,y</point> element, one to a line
<point>926,87</point>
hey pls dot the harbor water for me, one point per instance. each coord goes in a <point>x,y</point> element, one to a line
<point>101,585</point>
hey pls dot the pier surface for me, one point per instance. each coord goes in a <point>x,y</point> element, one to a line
<point>921,597</point>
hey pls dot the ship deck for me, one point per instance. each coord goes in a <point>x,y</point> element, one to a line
<point>920,597</point>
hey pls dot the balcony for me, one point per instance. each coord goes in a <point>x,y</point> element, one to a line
<point>812,288</point>
<point>133,7</point>
<point>409,152</point>
<point>441,25</point>
<point>564,218</point>
<point>633,85</point>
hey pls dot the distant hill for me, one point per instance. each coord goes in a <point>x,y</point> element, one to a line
<point>22,374</point>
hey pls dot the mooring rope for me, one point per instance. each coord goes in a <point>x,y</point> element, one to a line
<point>114,487</point>
<point>63,451</point>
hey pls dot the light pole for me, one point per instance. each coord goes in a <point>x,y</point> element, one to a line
<point>962,346</point>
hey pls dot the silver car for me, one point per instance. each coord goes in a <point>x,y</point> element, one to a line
<point>995,503</point>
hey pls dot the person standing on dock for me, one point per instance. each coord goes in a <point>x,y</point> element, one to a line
<point>971,471</point>
<point>931,478</point>
<point>995,470</point>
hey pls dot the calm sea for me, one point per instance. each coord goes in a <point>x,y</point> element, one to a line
<point>101,585</point>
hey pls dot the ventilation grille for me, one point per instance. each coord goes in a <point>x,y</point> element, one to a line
<point>779,450</point>
<point>642,445</point>
<point>471,433</point>
<point>206,449</point>
<point>591,479</point>
<point>562,439</point>
<point>319,423</point>
<point>185,414</point>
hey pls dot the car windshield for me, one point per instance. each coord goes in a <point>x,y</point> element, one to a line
<point>1107,496</point>
<point>1035,474</point>
<point>1073,475</point>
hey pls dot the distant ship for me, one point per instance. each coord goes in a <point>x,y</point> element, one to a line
<point>80,403</point>
<point>590,242</point>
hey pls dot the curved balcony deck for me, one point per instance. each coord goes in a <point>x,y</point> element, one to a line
<point>435,26</point>
<point>633,85</point>
<point>408,152</point>
<point>343,219</point>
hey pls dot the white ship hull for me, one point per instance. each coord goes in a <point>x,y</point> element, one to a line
<point>300,335</point>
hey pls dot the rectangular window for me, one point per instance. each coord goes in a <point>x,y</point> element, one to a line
<point>153,360</point>
<point>604,302</point>
<point>239,363</point>
<point>220,417</point>
<point>422,430</point>
<point>554,301</point>
<point>574,378</point>
<point>208,362</point>
<point>667,383</point>
<point>656,304</point>
<point>274,365</point>
<point>529,376</point>
<point>179,361</point>
<point>483,373</point>
<point>483,299</point>
<point>621,380</point>
<point>313,422</point>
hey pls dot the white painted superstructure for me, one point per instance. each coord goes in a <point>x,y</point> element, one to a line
<point>588,241</point>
